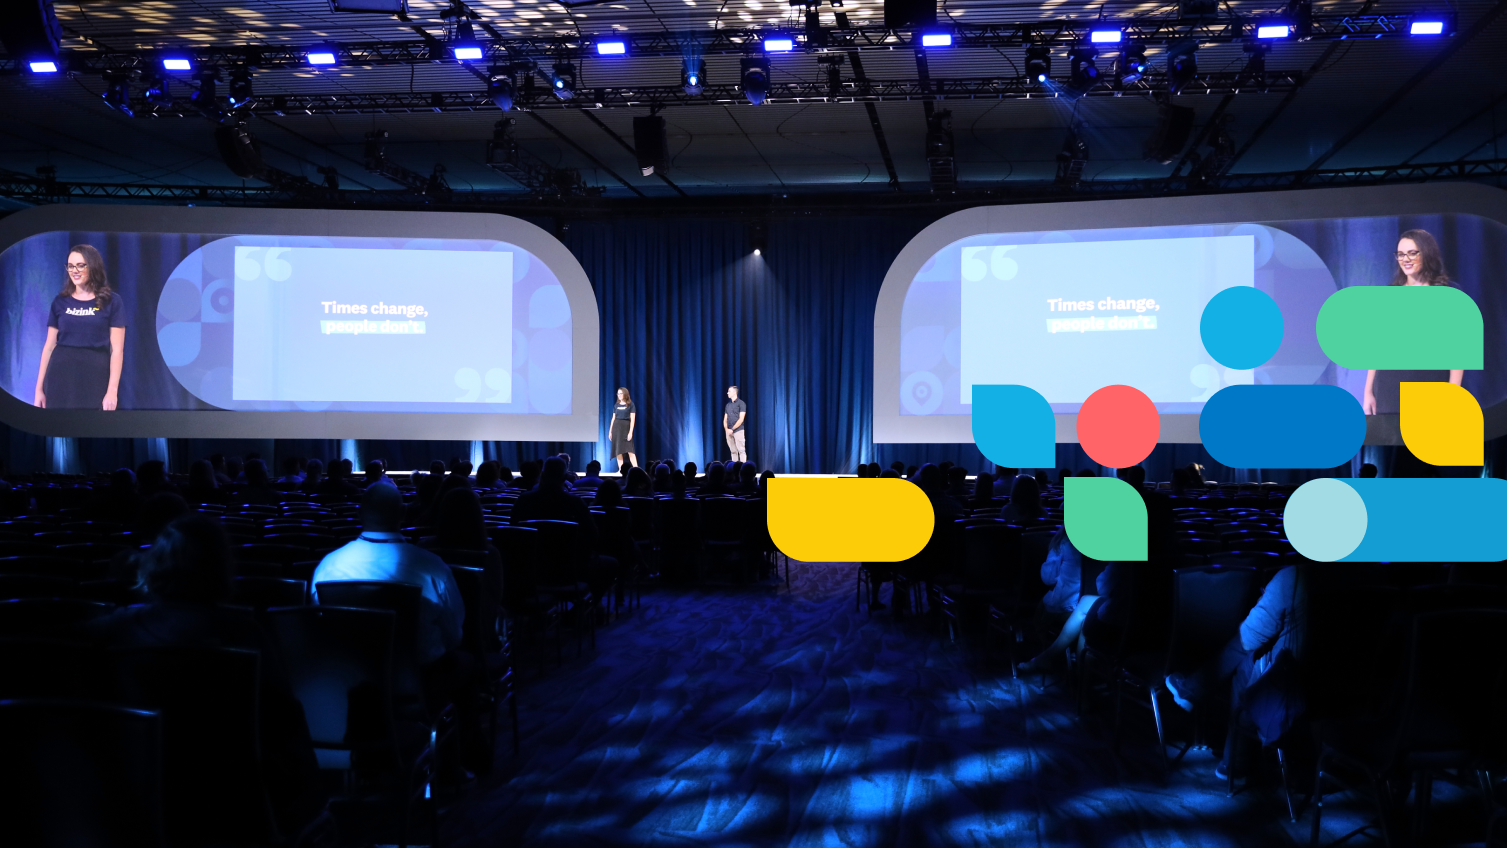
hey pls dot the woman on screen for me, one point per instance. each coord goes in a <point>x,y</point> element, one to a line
<point>86,339</point>
<point>624,419</point>
<point>1419,263</point>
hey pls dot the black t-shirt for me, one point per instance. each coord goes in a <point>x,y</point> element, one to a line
<point>623,410</point>
<point>731,413</point>
<point>83,323</point>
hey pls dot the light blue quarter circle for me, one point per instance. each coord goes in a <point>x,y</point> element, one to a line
<point>1325,520</point>
<point>1013,426</point>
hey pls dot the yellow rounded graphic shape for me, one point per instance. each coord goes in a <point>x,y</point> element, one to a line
<point>833,519</point>
<point>1442,424</point>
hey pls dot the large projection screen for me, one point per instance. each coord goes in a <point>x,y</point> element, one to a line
<point>1069,297</point>
<point>267,323</point>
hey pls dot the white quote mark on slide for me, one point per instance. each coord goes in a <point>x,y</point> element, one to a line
<point>470,380</point>
<point>1000,264</point>
<point>248,268</point>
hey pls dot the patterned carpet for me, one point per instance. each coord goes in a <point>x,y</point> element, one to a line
<point>750,716</point>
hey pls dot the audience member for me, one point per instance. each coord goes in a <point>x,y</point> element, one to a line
<point>570,476</point>
<point>376,472</point>
<point>1367,471</point>
<point>690,473</point>
<point>715,481</point>
<point>983,491</point>
<point>863,471</point>
<point>1042,482</point>
<point>293,476</point>
<point>233,471</point>
<point>258,489</point>
<point>461,525</point>
<point>151,478</point>
<point>335,483</point>
<point>1064,609</point>
<point>217,461</point>
<point>118,501</point>
<point>1025,502</point>
<point>313,475</point>
<point>661,479</point>
<point>593,477</point>
<point>957,483</point>
<point>486,477</point>
<point>899,468</point>
<point>202,487</point>
<point>749,484</point>
<point>186,578</point>
<point>638,484</point>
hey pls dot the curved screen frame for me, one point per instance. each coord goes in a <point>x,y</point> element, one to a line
<point>1264,207</point>
<point>581,425</point>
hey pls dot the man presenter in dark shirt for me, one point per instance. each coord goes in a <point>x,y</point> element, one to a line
<point>732,423</point>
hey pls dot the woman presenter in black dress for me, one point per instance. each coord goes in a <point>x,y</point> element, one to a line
<point>1419,263</point>
<point>624,420</point>
<point>86,339</point>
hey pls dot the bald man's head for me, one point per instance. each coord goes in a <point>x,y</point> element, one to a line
<point>382,509</point>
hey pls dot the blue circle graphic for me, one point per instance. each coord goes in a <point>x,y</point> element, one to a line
<point>1241,327</point>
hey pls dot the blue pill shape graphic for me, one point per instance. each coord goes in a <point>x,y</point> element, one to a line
<point>1282,426</point>
<point>1402,520</point>
<point>1014,426</point>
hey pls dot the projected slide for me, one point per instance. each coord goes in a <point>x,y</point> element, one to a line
<point>1128,307</point>
<point>1069,298</point>
<point>294,323</point>
<point>324,324</point>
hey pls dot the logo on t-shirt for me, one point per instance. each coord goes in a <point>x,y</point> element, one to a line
<point>87,311</point>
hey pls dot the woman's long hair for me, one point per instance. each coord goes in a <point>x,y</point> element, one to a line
<point>1430,259</point>
<point>627,398</point>
<point>99,283</point>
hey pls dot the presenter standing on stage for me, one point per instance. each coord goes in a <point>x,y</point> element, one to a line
<point>1419,263</point>
<point>733,416</point>
<point>86,339</point>
<point>624,420</point>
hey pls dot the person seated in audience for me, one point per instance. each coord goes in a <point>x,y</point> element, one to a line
<point>661,479</point>
<point>202,487</point>
<point>376,472</point>
<point>863,471</point>
<point>957,483</point>
<point>1196,475</point>
<point>898,466</point>
<point>891,474</point>
<point>151,478</point>
<point>258,489</point>
<point>335,483</point>
<point>637,484</point>
<point>1064,608</point>
<point>217,461</point>
<point>1135,475</point>
<point>528,475</point>
<point>714,483</point>
<point>749,483</point>
<point>486,477</point>
<point>1042,483</point>
<point>764,477</point>
<point>982,496</point>
<point>1179,481</point>
<point>118,501</point>
<point>186,579</point>
<point>437,468</point>
<point>504,477</point>
<point>592,479</point>
<point>943,504</point>
<point>1367,471</point>
<point>461,525</point>
<point>1272,627</point>
<point>233,472</point>
<point>1088,472</point>
<point>690,473</point>
<point>313,474</point>
<point>155,513</point>
<point>1062,475</point>
<point>551,501</point>
<point>1025,502</point>
<point>293,475</point>
<point>382,553</point>
<point>1004,478</point>
<point>570,476</point>
<point>677,484</point>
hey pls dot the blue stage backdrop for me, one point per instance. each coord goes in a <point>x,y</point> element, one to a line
<point>687,309</point>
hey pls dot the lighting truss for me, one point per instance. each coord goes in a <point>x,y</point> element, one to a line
<point>813,91</point>
<point>1056,34</point>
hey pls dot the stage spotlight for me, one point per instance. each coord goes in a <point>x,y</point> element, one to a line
<point>176,62</point>
<point>693,76</point>
<point>1276,30</point>
<point>204,98</point>
<point>239,90</point>
<point>1038,62</point>
<point>1425,26</point>
<point>562,81</point>
<point>464,46</point>
<point>779,44</point>
<point>755,79</point>
<point>1083,74</point>
<point>118,93</point>
<point>1182,68</point>
<point>321,55</point>
<point>614,47</point>
<point>1105,35</point>
<point>1131,67</point>
<point>1072,158</point>
<point>43,66</point>
<point>500,91</point>
<point>154,89</point>
<point>936,39</point>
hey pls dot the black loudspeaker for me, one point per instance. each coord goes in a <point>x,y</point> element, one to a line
<point>650,145</point>
<point>1173,126</point>
<point>904,14</point>
<point>239,151</point>
<point>29,28</point>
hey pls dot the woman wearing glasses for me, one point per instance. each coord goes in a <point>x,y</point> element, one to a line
<point>86,339</point>
<point>1419,263</point>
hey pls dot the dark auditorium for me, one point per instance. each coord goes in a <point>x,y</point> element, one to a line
<point>732,423</point>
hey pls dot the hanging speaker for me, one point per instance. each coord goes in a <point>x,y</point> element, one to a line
<point>650,145</point>
<point>29,28</point>
<point>905,14</point>
<point>239,151</point>
<point>1173,126</point>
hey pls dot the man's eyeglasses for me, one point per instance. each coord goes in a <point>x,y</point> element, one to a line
<point>1401,255</point>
